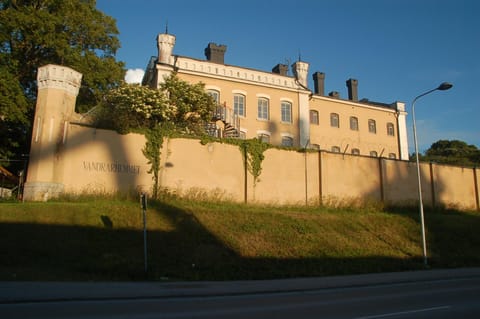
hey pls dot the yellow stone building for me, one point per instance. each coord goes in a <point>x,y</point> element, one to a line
<point>281,109</point>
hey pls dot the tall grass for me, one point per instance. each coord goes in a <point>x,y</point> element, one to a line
<point>101,238</point>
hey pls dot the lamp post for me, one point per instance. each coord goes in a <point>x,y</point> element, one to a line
<point>442,87</point>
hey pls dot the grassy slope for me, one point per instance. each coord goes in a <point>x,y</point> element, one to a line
<point>191,240</point>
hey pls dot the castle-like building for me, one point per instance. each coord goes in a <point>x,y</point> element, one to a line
<point>281,109</point>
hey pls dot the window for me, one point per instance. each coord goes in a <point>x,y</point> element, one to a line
<point>334,120</point>
<point>239,104</point>
<point>215,95</point>
<point>335,149</point>
<point>287,141</point>
<point>373,153</point>
<point>243,135</point>
<point>392,155</point>
<point>264,137</point>
<point>390,129</point>
<point>263,109</point>
<point>314,117</point>
<point>355,151</point>
<point>315,146</point>
<point>353,123</point>
<point>286,110</point>
<point>372,126</point>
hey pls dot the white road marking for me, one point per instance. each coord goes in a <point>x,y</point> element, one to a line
<point>392,314</point>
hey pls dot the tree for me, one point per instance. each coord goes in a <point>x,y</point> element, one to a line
<point>38,32</point>
<point>453,152</point>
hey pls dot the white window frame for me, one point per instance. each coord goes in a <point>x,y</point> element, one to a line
<point>286,111</point>
<point>263,109</point>
<point>239,106</point>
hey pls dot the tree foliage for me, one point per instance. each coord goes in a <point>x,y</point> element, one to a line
<point>65,32</point>
<point>131,107</point>
<point>453,152</point>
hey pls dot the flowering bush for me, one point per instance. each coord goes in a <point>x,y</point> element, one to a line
<point>131,106</point>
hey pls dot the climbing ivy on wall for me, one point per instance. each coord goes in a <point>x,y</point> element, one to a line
<point>252,151</point>
<point>152,150</point>
<point>177,107</point>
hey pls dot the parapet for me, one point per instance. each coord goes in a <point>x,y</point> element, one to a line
<point>59,77</point>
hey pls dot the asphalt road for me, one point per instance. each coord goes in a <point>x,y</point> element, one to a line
<point>406,295</point>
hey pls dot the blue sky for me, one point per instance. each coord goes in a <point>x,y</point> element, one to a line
<point>395,49</point>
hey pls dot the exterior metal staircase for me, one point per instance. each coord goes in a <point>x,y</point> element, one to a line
<point>230,120</point>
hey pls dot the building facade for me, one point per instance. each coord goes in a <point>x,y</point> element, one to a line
<point>281,109</point>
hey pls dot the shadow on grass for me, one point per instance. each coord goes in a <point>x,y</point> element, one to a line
<point>190,252</point>
<point>452,236</point>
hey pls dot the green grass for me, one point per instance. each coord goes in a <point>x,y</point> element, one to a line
<point>102,239</point>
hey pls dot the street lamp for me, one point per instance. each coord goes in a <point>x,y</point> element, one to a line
<point>442,87</point>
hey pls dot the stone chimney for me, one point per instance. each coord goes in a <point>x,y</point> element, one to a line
<point>281,69</point>
<point>319,83</point>
<point>165,44</point>
<point>334,94</point>
<point>352,86</point>
<point>215,53</point>
<point>300,70</point>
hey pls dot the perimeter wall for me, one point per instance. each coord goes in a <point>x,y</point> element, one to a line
<point>96,160</point>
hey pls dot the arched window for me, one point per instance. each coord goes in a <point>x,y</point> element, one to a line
<point>353,123</point>
<point>390,129</point>
<point>334,120</point>
<point>239,104</point>
<point>286,110</point>
<point>314,119</point>
<point>263,113</point>
<point>372,126</point>
<point>373,153</point>
<point>287,141</point>
<point>335,149</point>
<point>215,95</point>
<point>355,151</point>
<point>264,137</point>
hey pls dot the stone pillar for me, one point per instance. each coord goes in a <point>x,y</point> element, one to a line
<point>58,88</point>
<point>402,130</point>
<point>300,70</point>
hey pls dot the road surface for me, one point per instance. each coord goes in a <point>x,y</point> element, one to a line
<point>449,294</point>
